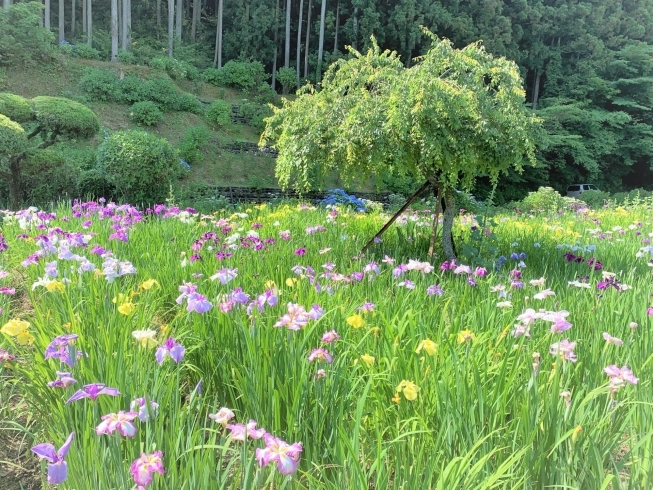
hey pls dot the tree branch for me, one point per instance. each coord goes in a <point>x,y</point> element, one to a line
<point>36,131</point>
<point>49,142</point>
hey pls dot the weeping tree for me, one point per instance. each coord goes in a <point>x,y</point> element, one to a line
<point>28,127</point>
<point>452,116</point>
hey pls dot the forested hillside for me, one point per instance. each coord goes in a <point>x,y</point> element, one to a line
<point>587,65</point>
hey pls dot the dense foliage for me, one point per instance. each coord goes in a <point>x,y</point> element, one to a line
<point>139,165</point>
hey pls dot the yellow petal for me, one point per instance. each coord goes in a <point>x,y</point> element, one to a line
<point>14,327</point>
<point>355,321</point>
<point>25,338</point>
<point>126,308</point>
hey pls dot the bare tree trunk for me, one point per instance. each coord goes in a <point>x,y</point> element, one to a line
<point>335,40</point>
<point>436,220</point>
<point>217,59</point>
<point>355,40</point>
<point>123,30</point>
<point>84,17</point>
<point>180,14</point>
<point>114,30</point>
<point>46,14</point>
<point>196,18</point>
<point>299,40</point>
<point>171,25</point>
<point>320,47</point>
<point>129,25</point>
<point>286,61</point>
<point>447,225</point>
<point>276,35</point>
<point>536,88</point>
<point>158,13</point>
<point>308,32</point>
<point>72,19</point>
<point>62,21</point>
<point>5,4</point>
<point>89,22</point>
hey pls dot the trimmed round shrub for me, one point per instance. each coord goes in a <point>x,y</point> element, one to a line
<point>243,75</point>
<point>132,90</point>
<point>545,200</point>
<point>139,165</point>
<point>47,177</point>
<point>67,117</point>
<point>162,91</point>
<point>255,114</point>
<point>219,113</point>
<point>145,113</point>
<point>100,84</point>
<point>13,139</point>
<point>189,103</point>
<point>15,107</point>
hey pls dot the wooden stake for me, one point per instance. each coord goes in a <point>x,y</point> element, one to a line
<point>397,214</point>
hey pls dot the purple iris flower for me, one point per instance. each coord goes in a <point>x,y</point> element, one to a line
<point>57,466</point>
<point>198,303</point>
<point>92,391</point>
<point>170,348</point>
<point>239,296</point>
<point>62,348</point>
<point>316,312</point>
<point>63,380</point>
<point>51,269</point>
<point>434,289</point>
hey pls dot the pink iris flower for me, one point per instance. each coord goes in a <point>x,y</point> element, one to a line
<point>620,376</point>
<point>330,336</point>
<point>239,432</point>
<point>57,466</point>
<point>143,468</point>
<point>121,421</point>
<point>295,319</point>
<point>612,340</point>
<point>564,349</point>
<point>139,405</point>
<point>63,380</point>
<point>320,354</point>
<point>285,455</point>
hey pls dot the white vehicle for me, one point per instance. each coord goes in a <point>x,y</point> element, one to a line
<point>576,190</point>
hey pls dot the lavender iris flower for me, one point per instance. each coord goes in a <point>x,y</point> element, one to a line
<point>57,466</point>
<point>170,348</point>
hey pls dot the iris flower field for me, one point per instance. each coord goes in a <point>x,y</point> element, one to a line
<point>259,348</point>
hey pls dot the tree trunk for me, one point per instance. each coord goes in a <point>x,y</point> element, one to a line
<point>83,16</point>
<point>217,59</point>
<point>308,32</point>
<point>89,23</point>
<point>15,186</point>
<point>46,14</point>
<point>447,225</point>
<point>123,37</point>
<point>129,25</point>
<point>5,4</point>
<point>171,26</point>
<point>320,46</point>
<point>158,13</point>
<point>536,87</point>
<point>274,62</point>
<point>114,30</point>
<point>196,12</point>
<point>436,219</point>
<point>299,40</point>
<point>286,60</point>
<point>355,34</point>
<point>62,21</point>
<point>335,40</point>
<point>180,14</point>
<point>72,19</point>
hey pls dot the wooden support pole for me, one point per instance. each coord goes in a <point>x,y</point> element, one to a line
<point>397,214</point>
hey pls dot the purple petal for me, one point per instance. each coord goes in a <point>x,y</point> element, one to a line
<point>78,395</point>
<point>177,353</point>
<point>109,391</point>
<point>63,450</point>
<point>45,451</point>
<point>57,472</point>
<point>161,354</point>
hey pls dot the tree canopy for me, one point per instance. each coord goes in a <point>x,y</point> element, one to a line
<point>452,116</point>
